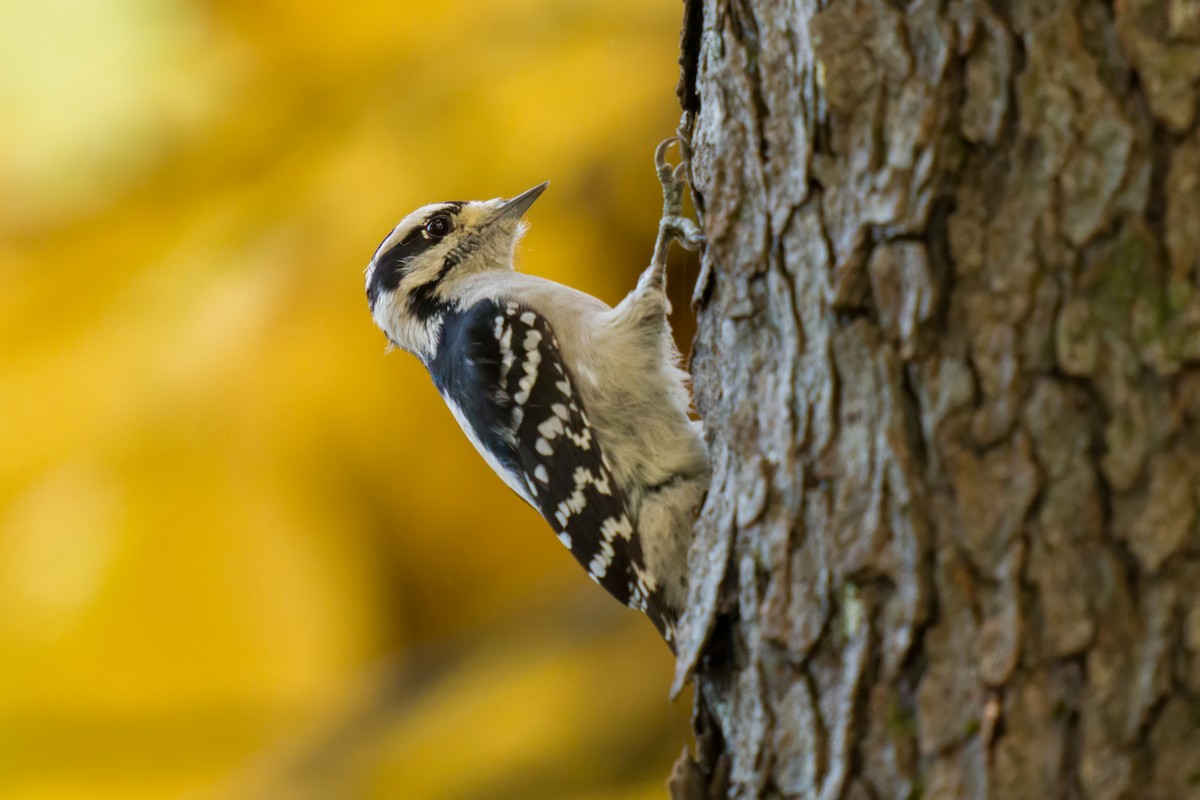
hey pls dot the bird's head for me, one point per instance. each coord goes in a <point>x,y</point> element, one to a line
<point>412,276</point>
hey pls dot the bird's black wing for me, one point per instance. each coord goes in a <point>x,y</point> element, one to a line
<point>499,366</point>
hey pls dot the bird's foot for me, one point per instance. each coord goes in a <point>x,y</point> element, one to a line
<point>674,224</point>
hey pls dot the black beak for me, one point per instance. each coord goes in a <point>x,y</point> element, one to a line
<point>516,208</point>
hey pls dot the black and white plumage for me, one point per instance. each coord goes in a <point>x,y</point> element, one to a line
<point>580,408</point>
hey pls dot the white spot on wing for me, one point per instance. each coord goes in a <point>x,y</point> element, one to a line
<point>577,501</point>
<point>600,562</point>
<point>551,428</point>
<point>533,357</point>
<point>582,440</point>
<point>617,526</point>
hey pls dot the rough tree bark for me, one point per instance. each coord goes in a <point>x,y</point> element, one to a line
<point>948,358</point>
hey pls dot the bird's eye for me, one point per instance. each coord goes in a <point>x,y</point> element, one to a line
<point>439,226</point>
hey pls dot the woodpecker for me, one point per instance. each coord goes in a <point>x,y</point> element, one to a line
<point>579,407</point>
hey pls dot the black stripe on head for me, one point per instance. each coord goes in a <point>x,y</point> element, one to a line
<point>422,302</point>
<point>390,266</point>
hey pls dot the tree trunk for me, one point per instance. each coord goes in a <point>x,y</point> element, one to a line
<point>948,358</point>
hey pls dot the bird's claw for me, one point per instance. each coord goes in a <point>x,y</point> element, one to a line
<point>674,180</point>
<point>660,152</point>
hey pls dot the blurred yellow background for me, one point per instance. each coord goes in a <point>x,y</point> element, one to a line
<point>242,551</point>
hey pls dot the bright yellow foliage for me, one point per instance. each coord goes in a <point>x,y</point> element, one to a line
<point>242,551</point>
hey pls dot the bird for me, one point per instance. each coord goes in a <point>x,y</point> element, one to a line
<point>581,408</point>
